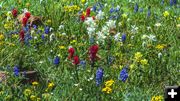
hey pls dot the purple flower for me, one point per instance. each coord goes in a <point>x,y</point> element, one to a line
<point>175,2</point>
<point>16,71</point>
<point>149,12</point>
<point>83,64</point>
<point>35,27</point>
<point>171,2</point>
<point>136,7</point>
<point>123,75</point>
<point>99,76</point>
<point>123,37</point>
<point>111,10</point>
<point>42,36</point>
<point>47,30</point>
<point>56,60</point>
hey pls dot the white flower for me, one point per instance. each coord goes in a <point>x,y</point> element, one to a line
<point>63,33</point>
<point>50,29</point>
<point>80,89</point>
<point>76,84</point>
<point>144,43</point>
<point>158,24</point>
<point>117,37</point>
<point>105,30</point>
<point>148,28</point>
<point>25,10</point>
<point>159,55</point>
<point>152,37</point>
<point>144,36</point>
<point>52,36</point>
<point>35,37</point>
<point>91,30</point>
<point>100,15</point>
<point>61,27</point>
<point>40,1</point>
<point>89,20</point>
<point>111,24</point>
<point>134,29</point>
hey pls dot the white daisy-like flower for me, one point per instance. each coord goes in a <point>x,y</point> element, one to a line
<point>111,24</point>
<point>117,37</point>
<point>134,29</point>
<point>100,15</point>
<point>89,20</point>
<point>152,37</point>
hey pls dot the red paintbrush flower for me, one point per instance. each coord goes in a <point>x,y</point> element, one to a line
<point>21,36</point>
<point>14,12</point>
<point>83,17</point>
<point>71,52</point>
<point>93,51</point>
<point>24,21</point>
<point>28,15</point>
<point>76,60</point>
<point>93,17</point>
<point>88,11</point>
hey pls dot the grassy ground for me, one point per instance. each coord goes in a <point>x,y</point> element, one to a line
<point>144,80</point>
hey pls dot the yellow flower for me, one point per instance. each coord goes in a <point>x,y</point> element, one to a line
<point>15,36</point>
<point>109,83</point>
<point>1,37</point>
<point>160,46</point>
<point>33,97</point>
<point>10,44</point>
<point>50,85</point>
<point>49,21</point>
<point>27,92</point>
<point>38,99</point>
<point>132,66</point>
<point>83,1</point>
<point>62,47</point>
<point>73,41</point>
<point>157,98</point>
<point>46,95</point>
<point>179,18</point>
<point>178,25</point>
<point>124,15</point>
<point>35,83</point>
<point>166,13</point>
<point>138,56</point>
<point>108,90</point>
<point>144,62</point>
<point>27,4</point>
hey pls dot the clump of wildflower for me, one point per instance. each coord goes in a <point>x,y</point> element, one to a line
<point>124,15</point>
<point>76,60</point>
<point>62,47</point>
<point>108,90</point>
<point>50,85</point>
<point>83,1</point>
<point>33,98</point>
<point>56,60</point>
<point>71,8</point>
<point>16,71</point>
<point>14,12</point>
<point>157,98</point>
<point>144,62</point>
<point>1,37</point>
<point>99,76</point>
<point>160,46</point>
<point>27,92</point>
<point>123,75</point>
<point>93,52</point>
<point>138,56</point>
<point>35,83</point>
<point>109,83</point>
<point>166,14</point>
<point>71,52</point>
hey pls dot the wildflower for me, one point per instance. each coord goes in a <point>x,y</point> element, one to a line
<point>108,90</point>
<point>157,98</point>
<point>123,37</point>
<point>124,15</point>
<point>109,83</point>
<point>1,37</point>
<point>111,24</point>
<point>27,92</point>
<point>178,25</point>
<point>16,71</point>
<point>138,56</point>
<point>56,60</point>
<point>171,2</point>
<point>76,60</point>
<point>83,63</point>
<point>33,97</point>
<point>46,30</point>
<point>159,55</point>
<point>27,4</point>
<point>88,11</point>
<point>158,24</point>
<point>160,46</point>
<point>136,7</point>
<point>166,14</point>
<point>149,11</point>
<point>111,10</point>
<point>99,76</point>
<point>24,21</point>
<point>100,15</point>
<point>21,35</point>
<point>27,15</point>
<point>132,66</point>
<point>14,12</point>
<point>175,2</point>
<point>82,18</point>
<point>71,52</point>
<point>144,62</point>
<point>83,1</point>
<point>92,52</point>
<point>35,83</point>
<point>123,75</point>
<point>46,95</point>
<point>62,47</point>
<point>51,85</point>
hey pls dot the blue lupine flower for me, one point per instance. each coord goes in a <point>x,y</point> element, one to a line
<point>175,2</point>
<point>99,76</point>
<point>111,10</point>
<point>56,60</point>
<point>83,63</point>
<point>16,71</point>
<point>149,12</point>
<point>94,8</point>
<point>35,27</point>
<point>136,7</point>
<point>42,36</point>
<point>47,30</point>
<point>171,2</point>
<point>141,10</point>
<point>123,75</point>
<point>123,37</point>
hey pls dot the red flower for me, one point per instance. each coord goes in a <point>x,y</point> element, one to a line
<point>21,35</point>
<point>71,52</point>
<point>28,15</point>
<point>93,17</point>
<point>93,51</point>
<point>24,21</point>
<point>14,12</point>
<point>82,17</point>
<point>76,60</point>
<point>88,11</point>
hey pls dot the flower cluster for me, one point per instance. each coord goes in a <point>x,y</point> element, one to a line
<point>108,86</point>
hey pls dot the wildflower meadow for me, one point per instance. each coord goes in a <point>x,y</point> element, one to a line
<point>88,50</point>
